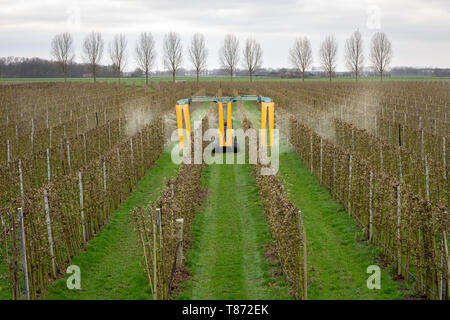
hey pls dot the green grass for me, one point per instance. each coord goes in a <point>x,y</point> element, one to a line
<point>337,256</point>
<point>229,236</point>
<point>111,268</point>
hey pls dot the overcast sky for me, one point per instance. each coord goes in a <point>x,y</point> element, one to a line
<point>419,29</point>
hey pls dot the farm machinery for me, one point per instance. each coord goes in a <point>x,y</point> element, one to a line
<point>227,141</point>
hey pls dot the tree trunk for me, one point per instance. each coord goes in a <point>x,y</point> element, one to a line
<point>303,76</point>
<point>330,76</point>
<point>95,74</point>
<point>173,76</point>
<point>381,73</point>
<point>146,76</point>
<point>198,76</point>
<point>251,76</point>
<point>231,75</point>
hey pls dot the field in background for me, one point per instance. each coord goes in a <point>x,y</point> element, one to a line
<point>139,81</point>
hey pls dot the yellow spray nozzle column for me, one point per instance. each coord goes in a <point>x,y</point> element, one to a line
<point>183,110</point>
<point>267,109</point>
<point>229,133</point>
<point>221,126</point>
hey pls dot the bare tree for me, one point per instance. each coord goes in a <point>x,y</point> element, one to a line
<point>62,51</point>
<point>145,53</point>
<point>328,55</point>
<point>380,52</point>
<point>198,53</point>
<point>173,52</point>
<point>354,54</point>
<point>118,53</point>
<point>229,54</point>
<point>252,56</point>
<point>93,51</point>
<point>300,55</point>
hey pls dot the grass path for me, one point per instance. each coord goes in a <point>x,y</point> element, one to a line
<point>229,237</point>
<point>337,257</point>
<point>111,266</point>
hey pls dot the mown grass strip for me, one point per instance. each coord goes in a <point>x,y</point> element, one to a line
<point>337,255</point>
<point>229,238</point>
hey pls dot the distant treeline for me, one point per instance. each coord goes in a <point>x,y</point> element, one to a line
<point>17,67</point>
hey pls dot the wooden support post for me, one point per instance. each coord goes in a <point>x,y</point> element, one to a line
<point>427,180</point>
<point>104,174</point>
<point>399,240</point>
<point>447,260</point>
<point>48,166</point>
<point>422,147</point>
<point>109,134</point>
<point>311,152</point>
<point>22,200</point>
<point>49,232</point>
<point>9,151</point>
<point>85,149</point>
<point>155,261</point>
<point>321,158</point>
<point>68,157</point>
<point>32,136</point>
<point>370,206</point>
<point>23,251</point>
<point>381,157</point>
<point>349,184</point>
<point>131,149</point>
<point>334,167</point>
<point>80,182</point>
<point>305,267</point>
<point>179,228</point>
<point>444,158</point>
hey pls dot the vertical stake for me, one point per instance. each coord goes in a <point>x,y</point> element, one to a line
<point>80,181</point>
<point>23,251</point>
<point>349,183</point>
<point>179,228</point>
<point>49,231</point>
<point>48,165</point>
<point>370,206</point>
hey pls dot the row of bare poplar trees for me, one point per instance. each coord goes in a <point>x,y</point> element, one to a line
<point>300,55</point>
